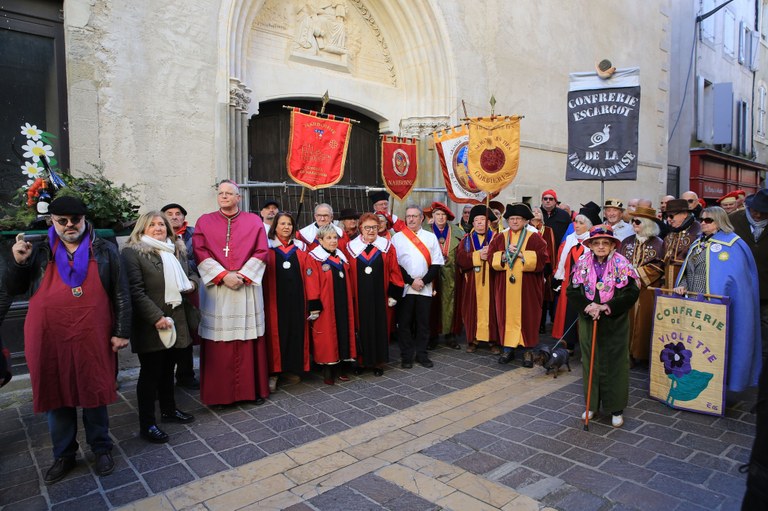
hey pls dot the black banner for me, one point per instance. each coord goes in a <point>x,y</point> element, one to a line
<point>602,134</point>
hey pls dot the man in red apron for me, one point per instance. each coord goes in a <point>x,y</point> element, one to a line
<point>79,317</point>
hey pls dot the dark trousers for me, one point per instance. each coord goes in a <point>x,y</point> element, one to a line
<point>756,495</point>
<point>155,381</point>
<point>413,309</point>
<point>62,423</point>
<point>184,360</point>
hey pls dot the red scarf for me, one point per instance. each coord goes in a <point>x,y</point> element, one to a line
<point>180,232</point>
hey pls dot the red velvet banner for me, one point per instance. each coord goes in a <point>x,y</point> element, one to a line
<point>317,148</point>
<point>399,165</point>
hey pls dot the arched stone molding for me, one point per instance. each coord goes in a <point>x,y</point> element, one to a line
<point>421,82</point>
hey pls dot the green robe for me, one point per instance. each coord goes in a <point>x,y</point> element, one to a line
<point>446,289</point>
<point>610,383</point>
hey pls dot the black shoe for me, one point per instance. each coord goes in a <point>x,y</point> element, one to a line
<point>378,371</point>
<point>154,435</point>
<point>105,465</point>
<point>61,467</point>
<point>426,363</point>
<point>453,345</point>
<point>357,371</point>
<point>177,416</point>
<point>406,365</point>
<point>507,357</point>
<point>193,384</point>
<point>259,401</point>
<point>528,359</point>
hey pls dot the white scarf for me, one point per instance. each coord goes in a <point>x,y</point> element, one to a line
<point>757,227</point>
<point>176,280</point>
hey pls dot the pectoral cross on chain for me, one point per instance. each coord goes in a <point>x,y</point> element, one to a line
<point>226,251</point>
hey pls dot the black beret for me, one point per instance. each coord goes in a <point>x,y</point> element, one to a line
<point>173,205</point>
<point>377,196</point>
<point>349,214</point>
<point>67,205</point>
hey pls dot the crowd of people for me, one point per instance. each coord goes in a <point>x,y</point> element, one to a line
<point>266,300</point>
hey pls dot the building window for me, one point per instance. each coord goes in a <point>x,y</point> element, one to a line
<point>729,34</point>
<point>707,26</point>
<point>761,98</point>
<point>33,87</point>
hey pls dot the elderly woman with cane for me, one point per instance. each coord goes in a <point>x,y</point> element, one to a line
<point>604,288</point>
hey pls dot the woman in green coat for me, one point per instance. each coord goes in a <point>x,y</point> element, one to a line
<point>156,264</point>
<point>604,288</point>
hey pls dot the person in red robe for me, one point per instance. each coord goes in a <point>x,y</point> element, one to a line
<point>323,216</point>
<point>474,276</point>
<point>333,328</point>
<point>570,252</point>
<point>378,285</point>
<point>286,279</point>
<point>79,317</point>
<point>380,206</point>
<point>518,257</point>
<point>537,222</point>
<point>231,249</point>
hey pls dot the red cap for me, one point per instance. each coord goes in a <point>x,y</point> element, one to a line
<point>740,193</point>
<point>549,192</point>
<point>731,195</point>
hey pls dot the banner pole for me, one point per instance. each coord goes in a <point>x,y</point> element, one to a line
<point>301,204</point>
<point>487,209</point>
<point>602,193</point>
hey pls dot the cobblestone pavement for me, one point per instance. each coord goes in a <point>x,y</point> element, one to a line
<point>468,434</point>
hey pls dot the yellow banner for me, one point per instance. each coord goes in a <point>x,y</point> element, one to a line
<point>688,350</point>
<point>494,151</point>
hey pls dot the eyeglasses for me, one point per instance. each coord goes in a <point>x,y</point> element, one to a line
<point>318,215</point>
<point>370,228</point>
<point>547,198</point>
<point>636,221</point>
<point>63,220</point>
<point>691,201</point>
<point>670,216</point>
<point>707,220</point>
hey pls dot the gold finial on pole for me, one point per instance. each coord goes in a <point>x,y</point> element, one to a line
<point>493,104</point>
<point>326,98</point>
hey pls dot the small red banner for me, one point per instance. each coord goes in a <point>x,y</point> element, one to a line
<point>317,148</point>
<point>399,165</point>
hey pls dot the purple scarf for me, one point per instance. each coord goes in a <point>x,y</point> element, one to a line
<point>73,274</point>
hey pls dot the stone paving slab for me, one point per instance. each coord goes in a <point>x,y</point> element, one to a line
<point>467,434</point>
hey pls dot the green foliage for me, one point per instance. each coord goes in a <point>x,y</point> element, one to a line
<point>109,206</point>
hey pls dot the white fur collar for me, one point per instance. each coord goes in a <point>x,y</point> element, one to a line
<point>320,254</point>
<point>357,245</point>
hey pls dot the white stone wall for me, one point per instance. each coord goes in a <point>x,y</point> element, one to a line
<point>148,81</point>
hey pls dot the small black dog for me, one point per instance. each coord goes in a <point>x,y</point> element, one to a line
<point>551,359</point>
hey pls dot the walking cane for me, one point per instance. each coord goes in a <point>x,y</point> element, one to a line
<point>591,368</point>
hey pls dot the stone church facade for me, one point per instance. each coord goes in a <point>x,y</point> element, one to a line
<point>165,95</point>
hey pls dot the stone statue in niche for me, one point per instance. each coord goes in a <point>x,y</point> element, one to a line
<point>321,28</point>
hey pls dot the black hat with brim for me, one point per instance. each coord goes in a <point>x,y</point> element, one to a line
<point>481,210</point>
<point>270,202</point>
<point>67,205</point>
<point>758,201</point>
<point>173,205</point>
<point>591,211</point>
<point>518,209</point>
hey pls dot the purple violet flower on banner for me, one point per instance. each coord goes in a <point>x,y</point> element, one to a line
<point>676,359</point>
